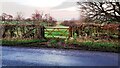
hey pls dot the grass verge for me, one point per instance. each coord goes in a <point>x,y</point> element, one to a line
<point>21,42</point>
<point>91,46</point>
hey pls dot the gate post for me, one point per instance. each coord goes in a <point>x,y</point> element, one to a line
<point>70,31</point>
<point>42,32</point>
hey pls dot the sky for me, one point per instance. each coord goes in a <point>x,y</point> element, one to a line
<point>59,9</point>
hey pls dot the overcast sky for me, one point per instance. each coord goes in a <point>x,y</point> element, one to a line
<point>59,9</point>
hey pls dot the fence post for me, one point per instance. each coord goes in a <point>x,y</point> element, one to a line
<point>70,31</point>
<point>42,32</point>
<point>2,30</point>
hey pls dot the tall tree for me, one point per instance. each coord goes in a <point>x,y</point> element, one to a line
<point>100,11</point>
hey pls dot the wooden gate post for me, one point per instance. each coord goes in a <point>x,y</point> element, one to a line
<point>70,31</point>
<point>42,32</point>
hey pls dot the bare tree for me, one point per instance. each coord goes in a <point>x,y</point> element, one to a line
<point>6,17</point>
<point>19,16</point>
<point>9,17</point>
<point>3,17</point>
<point>100,11</point>
<point>37,15</point>
<point>49,19</point>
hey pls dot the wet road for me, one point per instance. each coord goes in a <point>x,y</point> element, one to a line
<point>18,56</point>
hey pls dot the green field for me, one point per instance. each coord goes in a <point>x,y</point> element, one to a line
<point>57,32</point>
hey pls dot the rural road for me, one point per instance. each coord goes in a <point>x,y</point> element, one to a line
<point>20,56</point>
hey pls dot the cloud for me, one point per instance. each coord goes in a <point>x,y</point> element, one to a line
<point>11,1</point>
<point>65,5</point>
<point>13,8</point>
<point>36,3</point>
<point>65,14</point>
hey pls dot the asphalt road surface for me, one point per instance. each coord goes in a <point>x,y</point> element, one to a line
<point>20,56</point>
